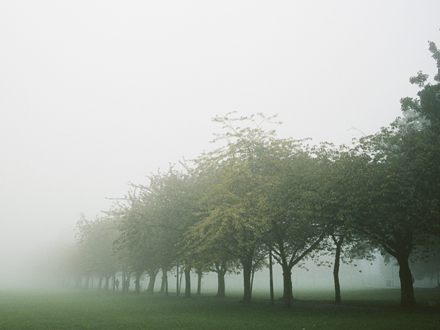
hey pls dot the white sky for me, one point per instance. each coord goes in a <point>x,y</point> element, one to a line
<point>94,94</point>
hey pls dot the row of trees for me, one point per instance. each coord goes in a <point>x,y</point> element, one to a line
<point>260,199</point>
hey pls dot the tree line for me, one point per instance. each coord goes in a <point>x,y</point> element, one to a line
<point>258,200</point>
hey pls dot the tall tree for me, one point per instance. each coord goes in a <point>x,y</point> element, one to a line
<point>382,205</point>
<point>235,220</point>
<point>294,229</point>
<point>343,242</point>
<point>420,142</point>
<point>394,180</point>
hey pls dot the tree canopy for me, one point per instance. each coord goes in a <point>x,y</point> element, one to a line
<point>258,194</point>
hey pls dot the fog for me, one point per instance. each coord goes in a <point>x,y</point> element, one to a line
<point>45,268</point>
<point>97,94</point>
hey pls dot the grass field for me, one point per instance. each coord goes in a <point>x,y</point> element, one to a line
<point>362,309</point>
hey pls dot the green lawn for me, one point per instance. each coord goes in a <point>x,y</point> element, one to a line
<point>368,309</point>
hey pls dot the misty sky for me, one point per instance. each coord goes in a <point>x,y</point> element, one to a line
<point>96,94</point>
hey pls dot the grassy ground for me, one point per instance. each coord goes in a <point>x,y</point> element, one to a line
<point>368,309</point>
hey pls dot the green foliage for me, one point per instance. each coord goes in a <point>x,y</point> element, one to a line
<point>154,220</point>
<point>428,104</point>
<point>95,243</point>
<point>257,192</point>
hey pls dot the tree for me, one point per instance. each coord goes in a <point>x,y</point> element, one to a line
<point>234,221</point>
<point>421,144</point>
<point>382,204</point>
<point>234,224</point>
<point>395,181</point>
<point>294,229</point>
<point>95,241</point>
<point>138,245</point>
<point>155,219</point>
<point>343,241</point>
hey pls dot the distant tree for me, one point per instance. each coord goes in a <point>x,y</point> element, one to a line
<point>95,242</point>
<point>343,241</point>
<point>155,219</point>
<point>137,245</point>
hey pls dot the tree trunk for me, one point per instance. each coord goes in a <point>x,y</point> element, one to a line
<point>187,282</point>
<point>164,284</point>
<point>127,283</point>
<point>199,281</point>
<point>177,281</point>
<point>86,284</point>
<point>271,277</point>
<point>123,282</point>
<point>287,278</point>
<point>221,289</point>
<point>137,282</point>
<point>406,283</point>
<point>252,278</point>
<point>152,275</point>
<point>247,273</point>
<point>221,269</point>
<point>114,282</point>
<point>336,271</point>
<point>287,285</point>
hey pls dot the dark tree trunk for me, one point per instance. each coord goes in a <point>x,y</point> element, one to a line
<point>287,279</point>
<point>152,275</point>
<point>187,282</point>
<point>177,281</point>
<point>164,283</point>
<point>287,275</point>
<point>221,268</point>
<point>271,277</point>
<point>406,283</point>
<point>123,282</point>
<point>252,278</point>
<point>288,265</point>
<point>287,285</point>
<point>199,281</point>
<point>127,283</point>
<point>247,283</point>
<point>221,289</point>
<point>137,282</point>
<point>114,282</point>
<point>336,270</point>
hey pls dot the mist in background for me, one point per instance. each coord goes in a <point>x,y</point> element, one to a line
<point>95,95</point>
